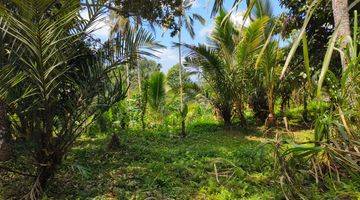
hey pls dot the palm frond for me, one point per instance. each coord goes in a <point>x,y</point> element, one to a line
<point>156,90</point>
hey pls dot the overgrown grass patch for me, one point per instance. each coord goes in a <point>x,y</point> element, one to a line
<point>210,163</point>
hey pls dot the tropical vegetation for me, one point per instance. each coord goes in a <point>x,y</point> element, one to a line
<point>267,108</point>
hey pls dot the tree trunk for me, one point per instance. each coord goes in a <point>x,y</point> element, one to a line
<point>239,106</point>
<point>45,172</point>
<point>226,115</point>
<point>342,20</point>
<point>144,100</point>
<point>305,111</point>
<point>114,143</point>
<point>139,76</point>
<point>183,131</point>
<point>284,104</point>
<point>270,120</point>
<point>5,150</point>
<point>128,79</point>
<point>227,121</point>
<point>183,125</point>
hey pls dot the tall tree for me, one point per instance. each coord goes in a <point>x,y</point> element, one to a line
<point>187,19</point>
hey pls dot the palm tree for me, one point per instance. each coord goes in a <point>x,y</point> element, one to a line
<point>157,93</point>
<point>187,19</point>
<point>215,72</point>
<point>217,64</point>
<point>143,42</point>
<point>269,63</point>
<point>250,81</point>
<point>219,5</point>
<point>4,146</point>
<point>342,21</point>
<point>57,84</point>
<point>269,56</point>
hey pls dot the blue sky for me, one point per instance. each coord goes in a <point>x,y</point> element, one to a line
<point>169,56</point>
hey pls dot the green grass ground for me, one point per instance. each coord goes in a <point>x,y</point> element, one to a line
<point>209,164</point>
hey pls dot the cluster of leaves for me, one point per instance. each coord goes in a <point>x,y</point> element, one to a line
<point>239,66</point>
<point>160,12</point>
<point>334,153</point>
<point>53,83</point>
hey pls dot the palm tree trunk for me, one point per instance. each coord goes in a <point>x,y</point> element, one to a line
<point>139,76</point>
<point>226,115</point>
<point>4,139</point>
<point>137,25</point>
<point>271,120</point>
<point>239,106</point>
<point>305,105</point>
<point>342,20</point>
<point>128,79</point>
<point>183,125</point>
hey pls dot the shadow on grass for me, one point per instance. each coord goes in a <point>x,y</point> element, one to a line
<point>209,162</point>
<point>164,168</point>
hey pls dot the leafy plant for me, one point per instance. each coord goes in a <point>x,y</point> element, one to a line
<point>334,152</point>
<point>157,90</point>
<point>59,89</point>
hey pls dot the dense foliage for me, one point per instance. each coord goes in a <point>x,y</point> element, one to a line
<point>243,116</point>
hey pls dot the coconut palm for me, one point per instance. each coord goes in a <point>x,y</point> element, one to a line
<point>249,77</point>
<point>187,19</point>
<point>269,64</point>
<point>219,5</point>
<point>251,40</point>
<point>143,42</point>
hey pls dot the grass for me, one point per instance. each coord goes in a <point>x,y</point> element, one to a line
<point>209,164</point>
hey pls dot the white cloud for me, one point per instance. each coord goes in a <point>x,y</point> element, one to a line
<point>238,19</point>
<point>195,4</point>
<point>206,31</point>
<point>168,58</point>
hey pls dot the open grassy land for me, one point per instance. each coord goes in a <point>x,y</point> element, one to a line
<point>212,163</point>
